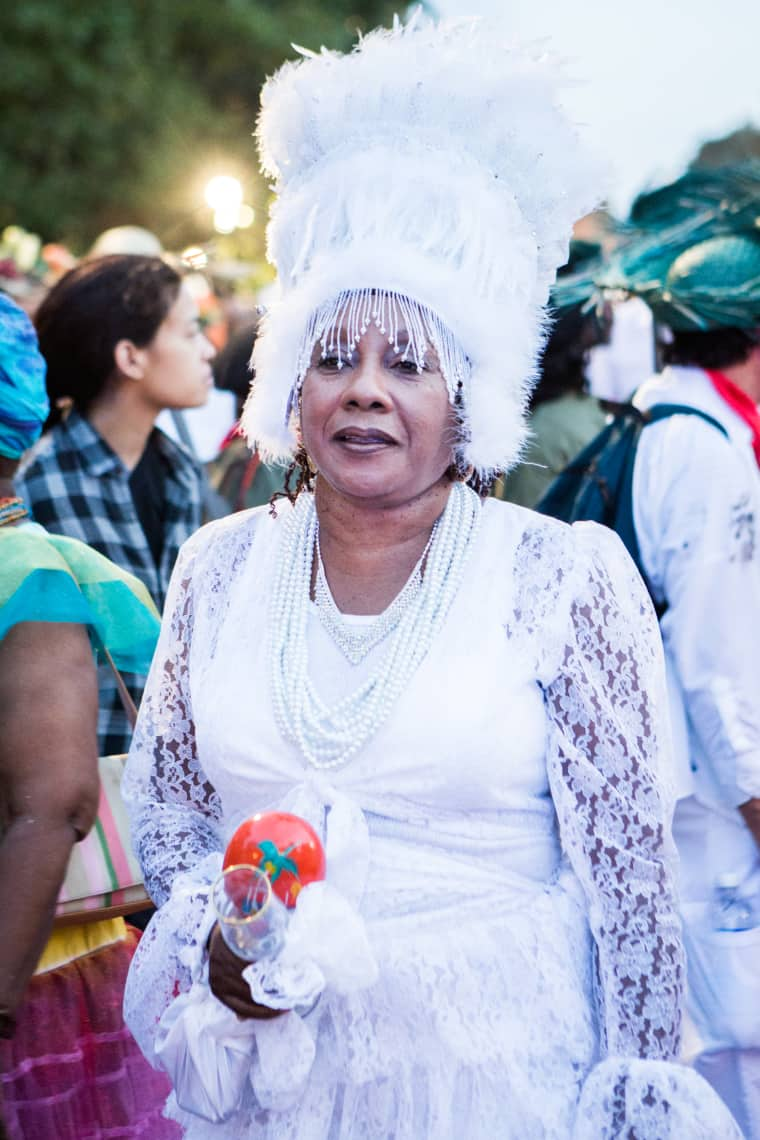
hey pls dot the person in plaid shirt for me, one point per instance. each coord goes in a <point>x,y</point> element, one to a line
<point>122,341</point>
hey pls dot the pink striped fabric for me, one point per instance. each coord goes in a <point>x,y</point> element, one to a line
<point>103,870</point>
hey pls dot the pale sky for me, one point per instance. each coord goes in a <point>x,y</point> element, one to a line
<point>657,77</point>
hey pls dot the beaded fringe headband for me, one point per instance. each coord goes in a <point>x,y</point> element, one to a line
<point>338,326</point>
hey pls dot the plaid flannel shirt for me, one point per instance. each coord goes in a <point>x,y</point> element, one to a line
<point>74,484</point>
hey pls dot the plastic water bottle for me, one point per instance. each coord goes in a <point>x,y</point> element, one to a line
<point>730,910</point>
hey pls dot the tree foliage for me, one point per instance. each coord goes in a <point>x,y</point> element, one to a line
<point>118,112</point>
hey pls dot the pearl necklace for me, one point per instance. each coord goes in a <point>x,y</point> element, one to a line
<point>328,737</point>
<point>355,641</point>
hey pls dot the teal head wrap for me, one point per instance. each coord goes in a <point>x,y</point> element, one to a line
<point>575,290</point>
<point>713,284</point>
<point>23,399</point>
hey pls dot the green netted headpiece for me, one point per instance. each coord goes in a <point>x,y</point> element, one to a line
<point>714,284</point>
<point>576,305</point>
<point>575,287</point>
<point>727,196</point>
<point>693,250</point>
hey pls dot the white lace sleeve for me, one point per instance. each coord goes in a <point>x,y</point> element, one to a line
<point>174,809</point>
<point>583,612</point>
<point>609,777</point>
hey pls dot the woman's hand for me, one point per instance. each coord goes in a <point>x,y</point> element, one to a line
<point>225,977</point>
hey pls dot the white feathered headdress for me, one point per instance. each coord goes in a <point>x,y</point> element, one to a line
<point>432,164</point>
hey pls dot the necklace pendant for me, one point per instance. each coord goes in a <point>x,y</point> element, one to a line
<point>356,641</point>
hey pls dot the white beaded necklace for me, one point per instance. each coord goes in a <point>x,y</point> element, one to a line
<point>328,737</point>
<point>355,641</point>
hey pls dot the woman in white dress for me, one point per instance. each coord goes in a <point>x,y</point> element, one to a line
<point>465,698</point>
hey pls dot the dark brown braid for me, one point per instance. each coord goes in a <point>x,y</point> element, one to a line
<point>482,484</point>
<point>299,476</point>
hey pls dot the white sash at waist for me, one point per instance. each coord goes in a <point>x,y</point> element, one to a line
<point>501,863</point>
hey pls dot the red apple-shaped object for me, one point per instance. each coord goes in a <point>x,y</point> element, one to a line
<point>283,845</point>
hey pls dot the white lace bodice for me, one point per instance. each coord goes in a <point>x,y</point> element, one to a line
<point>529,746</point>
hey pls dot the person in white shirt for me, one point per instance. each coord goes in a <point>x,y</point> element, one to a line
<point>696,510</point>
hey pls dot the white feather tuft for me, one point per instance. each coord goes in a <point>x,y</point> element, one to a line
<point>435,162</point>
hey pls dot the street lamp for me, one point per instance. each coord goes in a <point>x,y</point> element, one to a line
<point>224,195</point>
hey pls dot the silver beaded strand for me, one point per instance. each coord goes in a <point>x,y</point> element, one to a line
<point>356,641</point>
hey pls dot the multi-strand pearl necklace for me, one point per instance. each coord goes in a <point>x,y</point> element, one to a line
<point>328,737</point>
<point>355,641</point>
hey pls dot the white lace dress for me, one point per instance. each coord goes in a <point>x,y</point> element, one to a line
<point>505,836</point>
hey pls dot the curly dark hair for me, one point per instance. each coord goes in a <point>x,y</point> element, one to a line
<point>717,348</point>
<point>299,476</point>
<point>86,314</point>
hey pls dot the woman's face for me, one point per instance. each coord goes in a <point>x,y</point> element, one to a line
<point>177,362</point>
<point>377,429</point>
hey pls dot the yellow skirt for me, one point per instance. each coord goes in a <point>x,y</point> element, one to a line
<point>69,942</point>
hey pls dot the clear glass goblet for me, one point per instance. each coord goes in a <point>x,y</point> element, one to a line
<point>251,917</point>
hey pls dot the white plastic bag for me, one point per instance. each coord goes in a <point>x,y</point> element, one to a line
<point>210,1053</point>
<point>206,1051</point>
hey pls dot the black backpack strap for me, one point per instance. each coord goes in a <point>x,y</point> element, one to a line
<point>624,524</point>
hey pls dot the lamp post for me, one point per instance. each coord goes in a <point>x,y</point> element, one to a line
<point>224,194</point>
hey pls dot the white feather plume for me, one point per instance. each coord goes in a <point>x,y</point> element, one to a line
<point>433,161</point>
